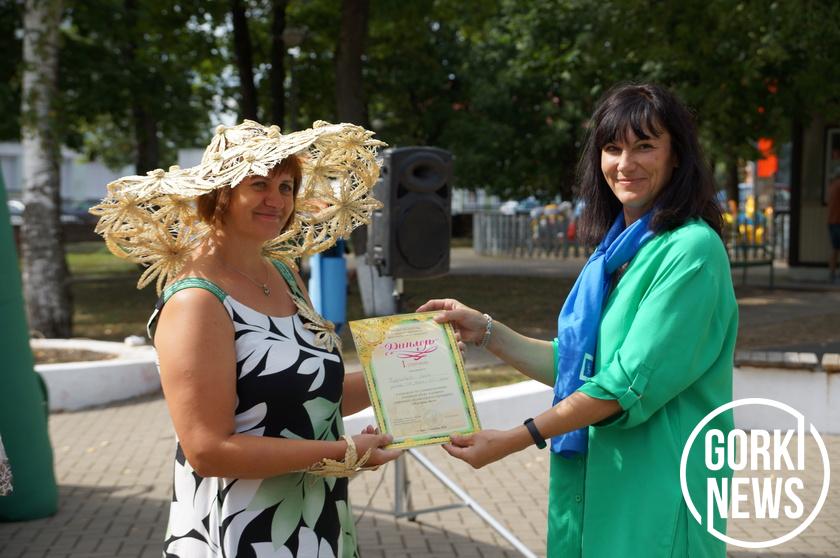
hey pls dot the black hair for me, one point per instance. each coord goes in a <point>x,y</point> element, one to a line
<point>646,109</point>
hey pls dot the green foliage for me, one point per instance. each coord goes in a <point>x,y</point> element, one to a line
<point>506,85</point>
<point>524,75</point>
<point>160,57</point>
<point>314,65</point>
<point>11,23</point>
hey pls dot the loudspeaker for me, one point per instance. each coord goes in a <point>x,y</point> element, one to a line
<point>409,236</point>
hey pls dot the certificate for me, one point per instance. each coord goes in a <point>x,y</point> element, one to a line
<point>415,378</point>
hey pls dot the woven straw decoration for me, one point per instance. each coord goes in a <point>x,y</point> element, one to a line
<point>152,219</point>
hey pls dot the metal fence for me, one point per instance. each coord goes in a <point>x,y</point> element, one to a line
<point>523,236</point>
<point>757,242</point>
<point>781,234</point>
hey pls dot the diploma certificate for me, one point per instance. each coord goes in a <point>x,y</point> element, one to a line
<point>415,378</point>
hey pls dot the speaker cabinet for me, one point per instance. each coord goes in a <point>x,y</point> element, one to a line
<point>409,236</point>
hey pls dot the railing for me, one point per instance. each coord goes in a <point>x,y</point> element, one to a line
<point>781,234</point>
<point>523,236</point>
<point>753,243</point>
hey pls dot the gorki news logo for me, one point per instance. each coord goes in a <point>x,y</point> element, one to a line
<point>768,481</point>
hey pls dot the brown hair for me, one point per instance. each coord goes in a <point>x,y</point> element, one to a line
<point>646,109</point>
<point>213,205</point>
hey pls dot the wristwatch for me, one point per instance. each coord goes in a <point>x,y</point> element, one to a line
<point>535,433</point>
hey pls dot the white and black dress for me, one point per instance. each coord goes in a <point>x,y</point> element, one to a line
<point>287,387</point>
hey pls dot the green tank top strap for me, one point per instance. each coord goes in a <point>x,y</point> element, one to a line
<point>190,283</point>
<point>180,285</point>
<point>289,277</point>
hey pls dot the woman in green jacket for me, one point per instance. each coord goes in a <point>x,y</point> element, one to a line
<point>645,343</point>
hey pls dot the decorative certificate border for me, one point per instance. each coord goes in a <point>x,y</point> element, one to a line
<point>370,333</point>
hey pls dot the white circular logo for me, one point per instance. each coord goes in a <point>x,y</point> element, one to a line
<point>772,448</point>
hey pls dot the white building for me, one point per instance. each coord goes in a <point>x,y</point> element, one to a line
<point>80,180</point>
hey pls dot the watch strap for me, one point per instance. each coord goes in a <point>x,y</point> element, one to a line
<point>535,433</point>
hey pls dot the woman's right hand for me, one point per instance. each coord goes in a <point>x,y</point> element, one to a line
<point>470,324</point>
<point>376,442</point>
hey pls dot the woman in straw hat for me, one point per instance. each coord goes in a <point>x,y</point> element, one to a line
<point>644,348</point>
<point>252,375</point>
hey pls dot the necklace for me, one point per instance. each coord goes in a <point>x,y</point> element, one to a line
<point>264,286</point>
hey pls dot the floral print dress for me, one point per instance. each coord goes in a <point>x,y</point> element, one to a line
<point>288,386</point>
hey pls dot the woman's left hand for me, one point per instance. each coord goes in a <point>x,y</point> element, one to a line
<point>479,449</point>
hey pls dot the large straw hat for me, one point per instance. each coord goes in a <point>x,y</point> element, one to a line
<point>152,220</point>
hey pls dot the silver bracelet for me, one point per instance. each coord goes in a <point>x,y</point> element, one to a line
<point>488,329</point>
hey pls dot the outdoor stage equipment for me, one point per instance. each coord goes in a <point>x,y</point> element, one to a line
<point>403,506</point>
<point>409,237</point>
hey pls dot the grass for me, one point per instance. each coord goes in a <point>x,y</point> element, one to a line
<point>93,258</point>
<point>108,306</point>
<point>106,302</point>
<point>461,242</point>
<point>481,378</point>
<point>111,308</point>
<point>527,304</point>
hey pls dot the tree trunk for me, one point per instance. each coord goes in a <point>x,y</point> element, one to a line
<point>349,88</point>
<point>45,288</point>
<point>147,156</point>
<point>278,68</point>
<point>146,138</point>
<point>732,179</point>
<point>376,291</point>
<point>244,61</point>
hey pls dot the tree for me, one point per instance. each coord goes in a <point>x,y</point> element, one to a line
<point>10,68</point>
<point>145,120</point>
<point>138,78</point>
<point>244,61</point>
<point>349,85</point>
<point>44,269</point>
<point>506,85</point>
<point>278,66</point>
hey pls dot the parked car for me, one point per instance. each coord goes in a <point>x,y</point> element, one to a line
<point>521,207</point>
<point>76,211</point>
<point>508,207</point>
<point>73,212</point>
<point>15,212</point>
<point>525,206</point>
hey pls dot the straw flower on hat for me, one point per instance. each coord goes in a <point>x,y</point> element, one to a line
<point>152,220</point>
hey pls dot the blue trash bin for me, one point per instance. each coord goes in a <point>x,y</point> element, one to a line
<point>328,284</point>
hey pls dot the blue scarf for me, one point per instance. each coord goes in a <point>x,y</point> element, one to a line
<point>577,325</point>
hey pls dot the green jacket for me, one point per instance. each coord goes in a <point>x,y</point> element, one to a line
<point>665,353</point>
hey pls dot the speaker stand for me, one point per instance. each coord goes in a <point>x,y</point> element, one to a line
<point>403,506</point>
<point>377,291</point>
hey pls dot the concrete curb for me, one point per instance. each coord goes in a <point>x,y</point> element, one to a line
<point>777,359</point>
<point>77,385</point>
<point>798,379</point>
<point>497,407</point>
<point>814,393</point>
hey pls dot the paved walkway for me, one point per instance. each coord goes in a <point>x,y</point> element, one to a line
<point>114,470</point>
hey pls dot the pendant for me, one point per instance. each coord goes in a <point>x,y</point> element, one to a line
<point>266,290</point>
